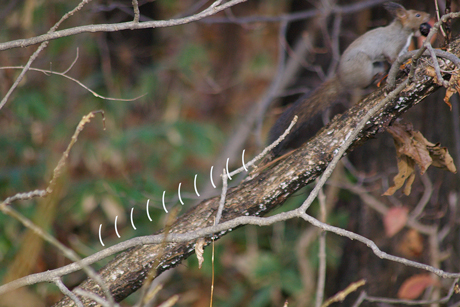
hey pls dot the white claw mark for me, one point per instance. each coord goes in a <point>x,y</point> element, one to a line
<point>132,223</point>
<point>242,159</point>
<point>210,176</point>
<point>147,209</point>
<point>100,238</point>
<point>194,184</point>
<point>116,230</point>
<point>226,166</point>
<point>163,200</point>
<point>178,193</point>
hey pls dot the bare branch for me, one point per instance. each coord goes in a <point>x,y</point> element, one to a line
<point>321,253</point>
<point>445,299</point>
<point>345,9</point>
<point>377,251</point>
<point>211,10</point>
<point>37,52</point>
<point>63,74</point>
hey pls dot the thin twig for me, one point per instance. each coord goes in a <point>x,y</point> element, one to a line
<point>321,253</point>
<point>345,9</point>
<point>37,52</point>
<point>211,10</point>
<point>443,300</point>
<point>63,74</point>
<point>340,296</point>
<point>335,46</point>
<point>418,210</point>
<point>222,197</point>
<point>361,298</point>
<point>136,11</point>
<point>267,149</point>
<point>438,15</point>
<point>437,69</point>
<point>73,63</point>
<point>381,208</point>
<point>376,250</point>
<point>95,298</point>
<point>67,292</point>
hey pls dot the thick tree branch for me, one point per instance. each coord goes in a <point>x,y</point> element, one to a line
<point>262,190</point>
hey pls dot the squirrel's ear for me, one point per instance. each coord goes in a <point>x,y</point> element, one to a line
<point>395,9</point>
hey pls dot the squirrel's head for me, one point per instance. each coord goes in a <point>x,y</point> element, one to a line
<point>410,19</point>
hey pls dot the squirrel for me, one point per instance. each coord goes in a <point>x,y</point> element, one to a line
<point>358,67</point>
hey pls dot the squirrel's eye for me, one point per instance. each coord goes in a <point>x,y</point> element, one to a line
<point>417,15</point>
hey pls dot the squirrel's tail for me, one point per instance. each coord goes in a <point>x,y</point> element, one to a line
<point>309,110</point>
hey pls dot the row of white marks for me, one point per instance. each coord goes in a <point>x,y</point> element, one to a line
<point>163,198</point>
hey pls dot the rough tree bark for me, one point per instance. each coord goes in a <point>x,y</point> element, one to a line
<point>261,191</point>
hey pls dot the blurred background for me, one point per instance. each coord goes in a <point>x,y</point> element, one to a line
<point>199,83</point>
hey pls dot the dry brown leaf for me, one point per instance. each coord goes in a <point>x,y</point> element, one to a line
<point>411,245</point>
<point>420,154</point>
<point>199,250</point>
<point>406,167</point>
<point>441,158</point>
<point>454,87</point>
<point>395,220</point>
<point>412,148</point>
<point>449,92</point>
<point>408,187</point>
<point>414,286</point>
